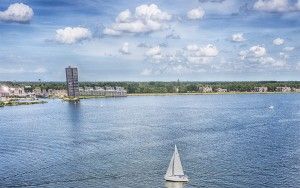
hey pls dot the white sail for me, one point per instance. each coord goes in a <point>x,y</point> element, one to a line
<point>171,167</point>
<point>175,170</point>
<point>175,167</point>
<point>178,170</point>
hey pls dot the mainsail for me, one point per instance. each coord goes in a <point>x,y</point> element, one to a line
<point>175,167</point>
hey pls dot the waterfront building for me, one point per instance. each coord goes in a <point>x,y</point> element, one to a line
<point>221,90</point>
<point>109,91</point>
<point>120,91</point>
<point>72,81</point>
<point>205,89</point>
<point>4,91</point>
<point>37,91</point>
<point>261,89</point>
<point>283,89</point>
<point>58,93</point>
<point>3,99</point>
<point>100,91</point>
<point>296,89</point>
<point>17,91</point>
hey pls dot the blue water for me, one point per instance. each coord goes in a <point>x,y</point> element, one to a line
<point>224,141</point>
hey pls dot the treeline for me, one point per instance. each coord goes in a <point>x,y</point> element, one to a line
<point>166,87</point>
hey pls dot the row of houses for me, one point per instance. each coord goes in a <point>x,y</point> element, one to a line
<point>27,91</point>
<point>208,89</point>
<point>100,91</point>
<point>6,91</point>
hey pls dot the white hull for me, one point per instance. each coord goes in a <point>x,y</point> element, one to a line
<point>177,178</point>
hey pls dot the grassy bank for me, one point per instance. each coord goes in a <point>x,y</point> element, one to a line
<point>91,97</point>
<point>17,103</point>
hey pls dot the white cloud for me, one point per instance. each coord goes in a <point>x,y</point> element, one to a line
<point>151,12</point>
<point>257,51</point>
<point>153,51</point>
<point>272,5</point>
<point>192,58</point>
<point>253,52</point>
<point>206,51</point>
<point>109,31</point>
<point>71,35</point>
<point>192,47</point>
<point>146,18</point>
<point>238,37</point>
<point>278,41</point>
<point>124,16</point>
<point>209,51</point>
<point>196,13</point>
<point>125,49</point>
<point>258,54</point>
<point>288,49</point>
<point>17,12</point>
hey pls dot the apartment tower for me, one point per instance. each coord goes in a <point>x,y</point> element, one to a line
<point>72,81</point>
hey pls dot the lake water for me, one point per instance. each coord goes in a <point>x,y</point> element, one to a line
<point>223,140</point>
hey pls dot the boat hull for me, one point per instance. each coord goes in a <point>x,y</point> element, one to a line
<point>177,178</point>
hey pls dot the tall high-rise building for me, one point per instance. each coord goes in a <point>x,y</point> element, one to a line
<point>72,81</point>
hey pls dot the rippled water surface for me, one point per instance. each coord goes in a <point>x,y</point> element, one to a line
<point>224,141</point>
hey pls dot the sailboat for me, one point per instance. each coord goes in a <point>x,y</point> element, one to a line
<point>175,170</point>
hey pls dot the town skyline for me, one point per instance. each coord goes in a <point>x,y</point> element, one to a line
<point>203,40</point>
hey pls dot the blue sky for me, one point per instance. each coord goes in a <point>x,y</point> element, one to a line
<point>203,40</point>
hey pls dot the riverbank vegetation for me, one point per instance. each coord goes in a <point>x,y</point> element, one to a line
<point>167,87</point>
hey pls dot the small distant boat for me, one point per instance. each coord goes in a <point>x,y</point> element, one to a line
<point>271,107</point>
<point>175,170</point>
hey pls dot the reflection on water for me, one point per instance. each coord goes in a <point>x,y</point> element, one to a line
<point>74,113</point>
<point>169,184</point>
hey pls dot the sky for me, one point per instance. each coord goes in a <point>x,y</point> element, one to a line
<point>137,40</point>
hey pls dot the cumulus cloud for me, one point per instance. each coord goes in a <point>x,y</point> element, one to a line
<point>109,31</point>
<point>192,58</point>
<point>206,51</point>
<point>196,13</point>
<point>278,41</point>
<point>154,54</point>
<point>253,52</point>
<point>238,37</point>
<point>258,54</point>
<point>153,51</point>
<point>125,49</point>
<point>71,35</point>
<point>146,18</point>
<point>17,12</point>
<point>272,5</point>
<point>124,16</point>
<point>257,51</point>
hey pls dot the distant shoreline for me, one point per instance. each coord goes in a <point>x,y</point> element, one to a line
<point>213,93</point>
